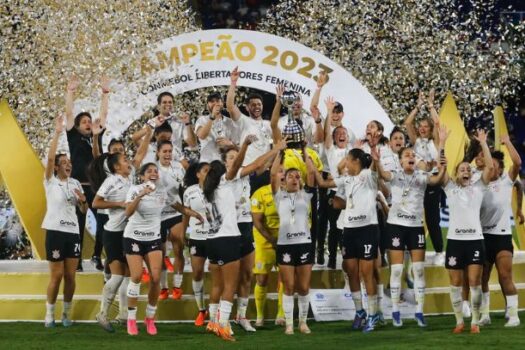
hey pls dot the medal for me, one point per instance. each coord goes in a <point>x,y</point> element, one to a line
<point>406,191</point>
<point>350,202</point>
<point>292,205</point>
<point>292,218</point>
<point>243,200</point>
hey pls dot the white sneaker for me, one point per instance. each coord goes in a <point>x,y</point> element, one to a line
<point>466,309</point>
<point>513,322</point>
<point>439,259</point>
<point>484,320</point>
<point>288,330</point>
<point>245,324</point>
<point>303,328</point>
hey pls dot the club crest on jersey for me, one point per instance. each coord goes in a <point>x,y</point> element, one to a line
<point>135,247</point>
<point>452,261</point>
<point>56,254</point>
<point>395,242</point>
<point>286,258</point>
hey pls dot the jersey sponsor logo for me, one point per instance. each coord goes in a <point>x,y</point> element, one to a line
<point>68,223</point>
<point>356,218</point>
<point>465,230</point>
<point>452,261</point>
<point>143,233</point>
<point>286,258</point>
<point>407,217</point>
<point>293,235</point>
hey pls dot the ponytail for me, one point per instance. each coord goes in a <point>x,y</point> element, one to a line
<point>96,172</point>
<point>213,179</point>
<point>364,158</point>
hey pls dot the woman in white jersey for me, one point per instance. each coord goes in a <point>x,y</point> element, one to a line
<point>360,235</point>
<point>193,198</point>
<point>171,174</point>
<point>405,226</point>
<point>465,248</point>
<point>424,139</point>
<point>495,221</point>
<point>294,242</point>
<point>111,196</point>
<point>142,241</point>
<point>239,176</point>
<point>63,195</point>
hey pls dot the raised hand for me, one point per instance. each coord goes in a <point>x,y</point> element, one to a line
<point>73,83</point>
<point>185,118</point>
<point>96,128</point>
<point>80,196</point>
<point>250,139</point>
<point>104,84</point>
<point>281,145</point>
<point>420,99</point>
<point>216,110</point>
<point>279,90</point>
<point>443,133</point>
<point>330,103</point>
<point>316,114</point>
<point>322,79</point>
<point>375,153</point>
<point>235,75</point>
<point>431,96</point>
<point>481,136</point>
<point>59,124</point>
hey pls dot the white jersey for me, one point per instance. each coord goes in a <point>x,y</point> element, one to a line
<point>194,199</point>
<point>114,189</point>
<point>360,193</point>
<point>171,178</point>
<point>241,191</point>
<point>61,201</point>
<point>294,212</point>
<point>144,224</point>
<point>335,155</point>
<point>386,156</point>
<point>464,205</point>
<point>496,207</point>
<point>151,154</point>
<point>322,151</point>
<point>408,192</point>
<point>340,192</point>
<point>221,213</point>
<point>260,128</point>
<point>426,149</point>
<point>476,175</point>
<point>308,125</point>
<point>221,128</point>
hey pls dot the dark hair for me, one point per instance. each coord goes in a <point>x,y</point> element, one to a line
<point>162,94</point>
<point>79,117</point>
<point>164,127</point>
<point>162,143</point>
<point>472,151</point>
<point>401,150</point>
<point>216,95</point>
<point>395,130</point>
<point>335,129</point>
<point>227,150</point>
<point>213,179</point>
<point>383,140</point>
<point>499,157</point>
<point>97,169</point>
<point>364,158</point>
<point>57,158</point>
<point>253,96</point>
<point>145,167</point>
<point>190,178</point>
<point>114,142</point>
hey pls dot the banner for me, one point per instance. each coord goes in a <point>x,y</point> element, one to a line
<point>205,58</point>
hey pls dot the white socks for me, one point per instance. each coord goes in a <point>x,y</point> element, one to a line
<point>199,294</point>
<point>512,304</point>
<point>372,304</point>
<point>358,300</point>
<point>150,311</point>
<point>164,279</point>
<point>475,301</point>
<point>485,303</point>
<point>304,305</point>
<point>242,305</point>
<point>108,293</point>
<point>123,299</point>
<point>50,312</point>
<point>418,269</point>
<point>177,280</point>
<point>225,309</point>
<point>132,313</point>
<point>67,308</point>
<point>457,303</point>
<point>288,305</point>
<point>396,270</point>
<point>212,309</point>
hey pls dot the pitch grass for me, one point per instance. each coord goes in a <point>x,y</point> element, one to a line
<point>328,335</point>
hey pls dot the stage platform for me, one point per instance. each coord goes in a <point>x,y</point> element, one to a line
<point>23,287</point>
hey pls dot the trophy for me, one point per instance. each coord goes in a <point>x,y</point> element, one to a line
<point>288,99</point>
<point>292,130</point>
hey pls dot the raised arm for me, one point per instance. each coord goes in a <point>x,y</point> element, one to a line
<point>481,136</point>
<point>321,81</point>
<point>72,86</point>
<point>261,161</point>
<point>409,121</point>
<point>514,156</point>
<point>319,130</point>
<point>203,131</point>
<point>519,203</point>
<point>434,115</point>
<point>274,178</point>
<point>237,163</point>
<point>383,174</point>
<point>442,171</point>
<point>328,183</point>
<point>443,134</point>
<point>97,130</point>
<point>310,169</point>
<point>328,139</point>
<point>50,166</point>
<point>143,148</point>
<point>232,108</point>
<point>191,138</point>
<point>276,114</point>
<point>104,103</point>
